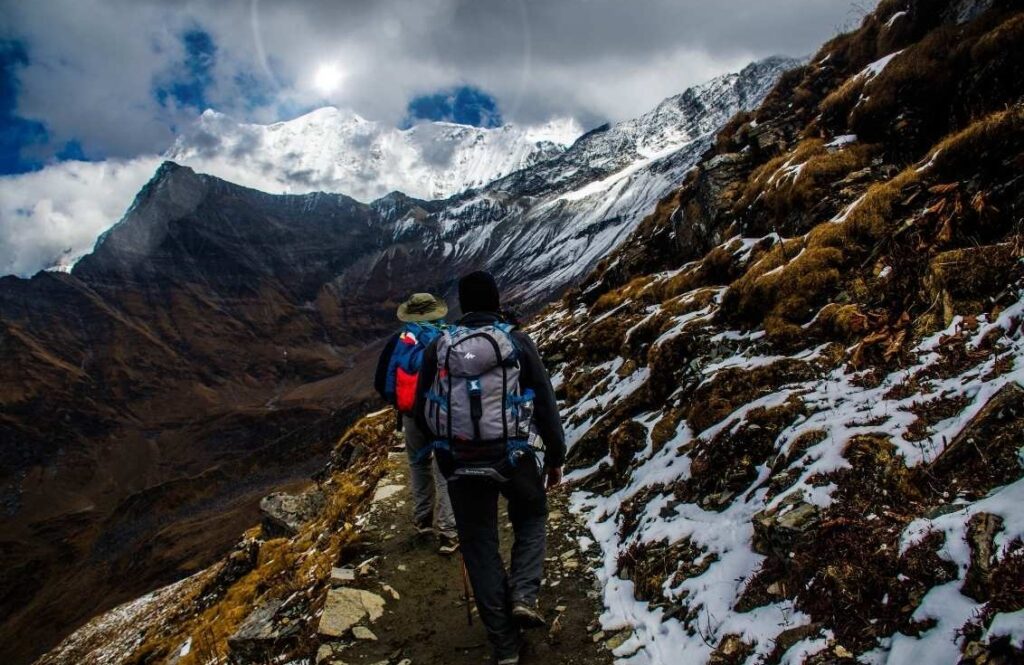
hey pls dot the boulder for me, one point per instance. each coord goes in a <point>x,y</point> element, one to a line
<point>262,634</point>
<point>345,607</point>
<point>284,513</point>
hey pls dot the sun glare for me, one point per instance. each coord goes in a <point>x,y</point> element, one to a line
<point>327,78</point>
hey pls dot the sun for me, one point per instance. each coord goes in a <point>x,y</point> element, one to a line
<point>327,78</point>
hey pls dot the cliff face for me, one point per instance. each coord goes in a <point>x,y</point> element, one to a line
<point>795,395</point>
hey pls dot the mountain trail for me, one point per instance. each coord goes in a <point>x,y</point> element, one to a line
<point>425,618</point>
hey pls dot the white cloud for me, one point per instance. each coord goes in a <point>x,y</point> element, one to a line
<point>54,216</point>
<point>93,64</point>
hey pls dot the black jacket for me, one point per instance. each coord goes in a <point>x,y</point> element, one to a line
<point>531,375</point>
<point>381,377</point>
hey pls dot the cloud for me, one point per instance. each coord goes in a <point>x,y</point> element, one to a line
<point>53,216</point>
<point>93,66</point>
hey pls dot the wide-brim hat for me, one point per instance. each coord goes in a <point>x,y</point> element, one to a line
<point>422,307</point>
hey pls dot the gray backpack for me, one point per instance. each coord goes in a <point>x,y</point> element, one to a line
<point>475,404</point>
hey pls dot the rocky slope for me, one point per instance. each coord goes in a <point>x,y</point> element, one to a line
<point>796,394</point>
<point>219,337</point>
<point>333,150</point>
<point>336,574</point>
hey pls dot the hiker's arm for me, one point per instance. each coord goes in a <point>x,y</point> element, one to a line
<point>381,377</point>
<point>545,413</point>
<point>423,385</point>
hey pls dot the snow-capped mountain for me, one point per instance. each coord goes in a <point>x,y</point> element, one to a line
<point>335,150</point>
<point>543,228</point>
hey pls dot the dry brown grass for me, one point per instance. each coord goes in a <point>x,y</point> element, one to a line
<point>789,284</point>
<point>612,299</point>
<point>285,564</point>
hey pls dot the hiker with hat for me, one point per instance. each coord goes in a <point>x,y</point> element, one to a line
<point>396,378</point>
<point>483,397</point>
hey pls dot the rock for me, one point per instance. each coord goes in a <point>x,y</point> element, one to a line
<point>598,636</point>
<point>791,636</point>
<point>618,639</point>
<point>325,653</point>
<point>1005,407</point>
<point>385,492</point>
<point>571,564</point>
<point>981,533</point>
<point>261,634</point>
<point>343,575</point>
<point>363,633</point>
<point>283,513</point>
<point>778,530</point>
<point>346,607</point>
<point>390,590</point>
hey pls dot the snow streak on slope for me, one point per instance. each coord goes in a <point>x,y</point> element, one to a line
<point>543,228</point>
<point>334,150</point>
<point>840,409</point>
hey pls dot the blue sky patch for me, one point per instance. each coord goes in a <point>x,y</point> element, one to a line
<point>16,133</point>
<point>465,105</point>
<point>192,77</point>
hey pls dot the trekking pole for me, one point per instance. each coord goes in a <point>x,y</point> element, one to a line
<point>465,586</point>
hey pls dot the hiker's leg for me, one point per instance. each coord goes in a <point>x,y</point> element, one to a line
<point>475,503</point>
<point>421,482</point>
<point>528,511</point>
<point>443,504</point>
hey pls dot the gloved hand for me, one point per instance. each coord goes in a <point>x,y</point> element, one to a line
<point>553,476</point>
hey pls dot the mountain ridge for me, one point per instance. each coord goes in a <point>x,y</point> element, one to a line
<point>218,332</point>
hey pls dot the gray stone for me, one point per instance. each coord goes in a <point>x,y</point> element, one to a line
<point>284,514</point>
<point>343,575</point>
<point>345,607</point>
<point>778,530</point>
<point>261,633</point>
<point>325,652</point>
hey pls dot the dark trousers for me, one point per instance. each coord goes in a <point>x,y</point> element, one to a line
<point>475,503</point>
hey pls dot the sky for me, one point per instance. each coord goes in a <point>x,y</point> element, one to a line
<point>112,82</point>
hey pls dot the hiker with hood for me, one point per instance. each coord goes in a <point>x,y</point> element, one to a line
<point>483,390</point>
<point>397,373</point>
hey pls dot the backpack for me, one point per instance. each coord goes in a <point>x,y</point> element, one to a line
<point>475,405</point>
<point>404,365</point>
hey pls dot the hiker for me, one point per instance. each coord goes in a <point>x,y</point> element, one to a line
<point>397,373</point>
<point>482,390</point>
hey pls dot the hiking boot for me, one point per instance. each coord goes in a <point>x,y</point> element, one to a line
<point>527,615</point>
<point>423,529</point>
<point>513,658</point>
<point>448,544</point>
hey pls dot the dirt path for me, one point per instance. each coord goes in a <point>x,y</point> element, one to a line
<point>425,617</point>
